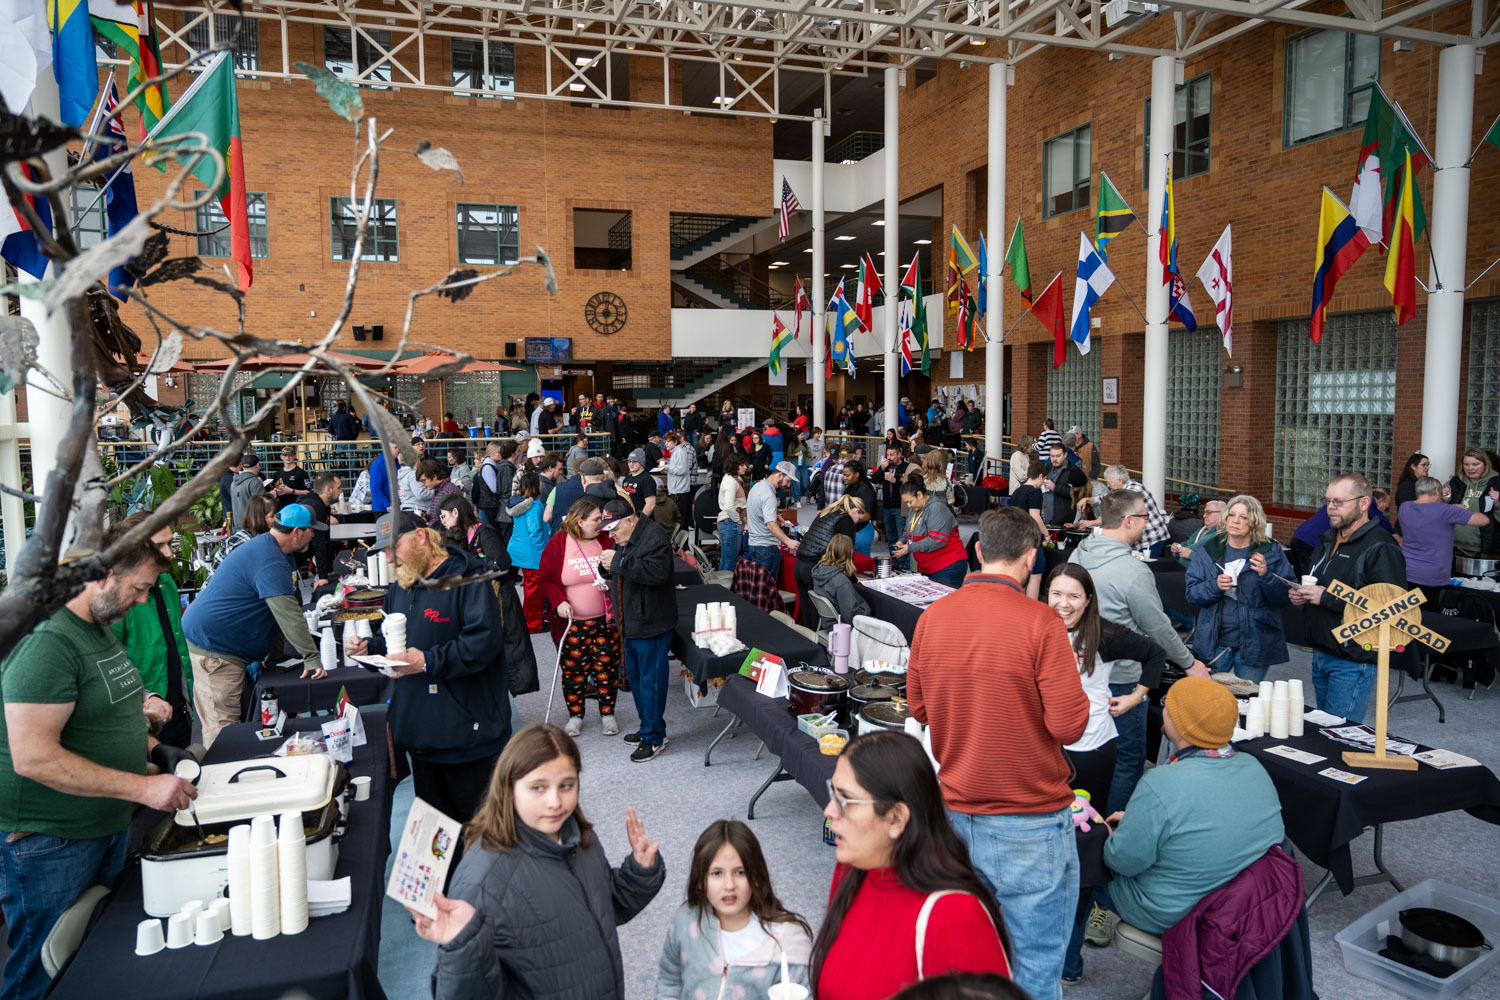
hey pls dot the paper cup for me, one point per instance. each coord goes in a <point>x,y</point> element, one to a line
<point>209,931</point>
<point>361,788</point>
<point>786,991</point>
<point>148,937</point>
<point>1309,581</point>
<point>220,909</point>
<point>179,930</point>
<point>192,908</point>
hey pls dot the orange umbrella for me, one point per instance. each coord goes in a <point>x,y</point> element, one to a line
<point>427,362</point>
<point>262,361</point>
<point>142,361</point>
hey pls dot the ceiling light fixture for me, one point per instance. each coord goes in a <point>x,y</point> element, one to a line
<point>844,237</point>
<point>878,222</point>
<point>847,267</point>
<point>780,263</point>
<point>923,243</point>
<point>575,87</point>
<point>808,250</point>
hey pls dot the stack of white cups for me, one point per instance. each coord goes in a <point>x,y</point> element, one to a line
<point>328,649</point>
<point>265,879</point>
<point>239,879</point>
<point>716,616</point>
<point>730,621</point>
<point>292,857</point>
<point>394,630</point>
<point>1280,726</point>
<point>362,628</point>
<point>1255,718</point>
<point>1295,706</point>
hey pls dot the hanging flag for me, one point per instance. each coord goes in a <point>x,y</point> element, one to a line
<point>912,282</point>
<point>1217,274</point>
<point>981,294</point>
<point>1377,182</point>
<point>800,304</point>
<point>209,106</point>
<point>1094,279</point>
<point>967,317</point>
<point>844,322</point>
<point>869,287</point>
<point>25,51</point>
<point>1340,242</point>
<point>119,196</point>
<point>132,28</point>
<point>827,349</point>
<point>780,337</point>
<point>1020,269</point>
<point>18,243</point>
<point>959,252</point>
<point>903,322</point>
<point>1114,215</point>
<point>73,61</point>
<point>1401,255</point>
<point>788,206</point>
<point>1177,297</point>
<point>1048,311</point>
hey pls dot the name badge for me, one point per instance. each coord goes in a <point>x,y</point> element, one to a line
<point>432,689</point>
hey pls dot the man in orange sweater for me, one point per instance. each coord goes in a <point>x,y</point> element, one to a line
<point>1002,701</point>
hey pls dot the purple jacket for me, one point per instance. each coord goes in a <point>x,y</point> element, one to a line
<point>1232,928</point>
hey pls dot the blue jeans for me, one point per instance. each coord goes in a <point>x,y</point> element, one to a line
<point>1342,686</point>
<point>768,556</point>
<point>730,534</point>
<point>1229,658</point>
<point>1130,751</point>
<point>1073,961</point>
<point>863,537</point>
<point>1031,863</point>
<point>646,670</point>
<point>951,576</point>
<point>893,535</point>
<point>40,877</point>
<point>804,479</point>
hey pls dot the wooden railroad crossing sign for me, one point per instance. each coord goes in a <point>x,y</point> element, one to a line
<point>1382,616</point>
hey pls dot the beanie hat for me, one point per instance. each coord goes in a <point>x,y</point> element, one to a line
<point>1203,711</point>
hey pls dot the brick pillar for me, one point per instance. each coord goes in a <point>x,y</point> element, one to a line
<point>1247,415</point>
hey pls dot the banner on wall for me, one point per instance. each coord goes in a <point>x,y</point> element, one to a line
<point>956,364</point>
<point>745,418</point>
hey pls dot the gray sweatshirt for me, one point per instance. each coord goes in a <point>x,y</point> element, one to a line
<point>832,583</point>
<point>1126,589</point>
<point>242,487</point>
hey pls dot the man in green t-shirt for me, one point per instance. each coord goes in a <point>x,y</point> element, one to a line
<point>73,745</point>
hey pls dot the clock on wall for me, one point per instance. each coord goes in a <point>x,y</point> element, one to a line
<point>605,313</point>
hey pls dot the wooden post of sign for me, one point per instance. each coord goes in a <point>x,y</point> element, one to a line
<point>1396,761</point>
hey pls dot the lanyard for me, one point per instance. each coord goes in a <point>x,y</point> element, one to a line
<point>1219,753</point>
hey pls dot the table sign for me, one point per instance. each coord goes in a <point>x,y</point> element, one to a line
<point>768,671</point>
<point>1371,616</point>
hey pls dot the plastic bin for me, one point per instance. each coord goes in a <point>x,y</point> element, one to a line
<point>1362,940</point>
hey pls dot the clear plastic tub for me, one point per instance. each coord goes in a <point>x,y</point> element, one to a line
<point>1362,940</point>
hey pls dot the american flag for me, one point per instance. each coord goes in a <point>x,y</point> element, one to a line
<point>788,206</point>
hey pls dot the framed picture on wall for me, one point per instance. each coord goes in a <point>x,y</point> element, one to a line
<point>778,402</point>
<point>1111,391</point>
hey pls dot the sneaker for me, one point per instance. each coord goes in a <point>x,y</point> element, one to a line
<point>574,726</point>
<point>1071,980</point>
<point>645,751</point>
<point>1097,931</point>
<point>632,738</point>
<point>609,726</point>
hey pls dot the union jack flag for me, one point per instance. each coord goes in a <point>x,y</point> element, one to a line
<point>905,322</point>
<point>788,206</point>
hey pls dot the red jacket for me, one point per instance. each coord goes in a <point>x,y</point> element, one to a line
<point>1232,928</point>
<point>549,572</point>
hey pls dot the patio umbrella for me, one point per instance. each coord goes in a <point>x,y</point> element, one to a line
<point>261,362</point>
<point>429,362</point>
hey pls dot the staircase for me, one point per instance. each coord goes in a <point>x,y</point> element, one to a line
<point>705,385</point>
<point>711,297</point>
<point>695,238</point>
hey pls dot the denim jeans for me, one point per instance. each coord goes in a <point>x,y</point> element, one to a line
<point>1342,686</point>
<point>1130,751</point>
<point>768,556</point>
<point>40,877</point>
<point>1230,659</point>
<point>730,534</point>
<point>1031,863</point>
<point>863,537</point>
<point>893,535</point>
<point>804,479</point>
<point>951,576</point>
<point>646,670</point>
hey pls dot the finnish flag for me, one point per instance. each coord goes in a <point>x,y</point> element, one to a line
<point>1094,279</point>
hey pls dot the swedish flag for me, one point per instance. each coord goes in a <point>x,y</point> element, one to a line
<point>73,59</point>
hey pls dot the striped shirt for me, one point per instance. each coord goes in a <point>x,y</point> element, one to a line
<point>1156,521</point>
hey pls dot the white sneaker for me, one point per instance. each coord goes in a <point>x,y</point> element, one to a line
<point>574,726</point>
<point>609,726</point>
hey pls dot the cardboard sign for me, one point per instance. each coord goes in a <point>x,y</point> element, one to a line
<point>1387,614</point>
<point>768,671</point>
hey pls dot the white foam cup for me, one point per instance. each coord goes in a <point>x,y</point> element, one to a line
<point>361,788</point>
<point>179,930</point>
<point>209,931</point>
<point>148,937</point>
<point>786,991</point>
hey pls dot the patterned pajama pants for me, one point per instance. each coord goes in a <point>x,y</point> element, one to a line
<point>590,655</point>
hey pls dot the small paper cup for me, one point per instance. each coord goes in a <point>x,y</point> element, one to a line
<point>220,908</point>
<point>193,907</point>
<point>179,930</point>
<point>787,991</point>
<point>361,788</point>
<point>209,931</point>
<point>148,937</point>
<point>1309,581</point>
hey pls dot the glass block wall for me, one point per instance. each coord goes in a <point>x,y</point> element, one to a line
<point>1194,388</point>
<point>1073,394</point>
<point>1482,421</point>
<point>477,391</point>
<point>1335,404</point>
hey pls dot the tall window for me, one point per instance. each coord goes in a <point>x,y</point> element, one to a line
<point>1067,169</point>
<point>246,43</point>
<point>489,234</point>
<point>1191,115</point>
<point>380,237</point>
<point>1329,78</point>
<point>1193,393</point>
<point>210,220</point>
<point>1335,404</point>
<point>1482,420</point>
<point>1073,393</point>
<point>339,55</point>
<point>468,57</point>
<point>86,209</point>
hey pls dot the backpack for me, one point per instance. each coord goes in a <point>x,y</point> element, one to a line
<point>480,494</point>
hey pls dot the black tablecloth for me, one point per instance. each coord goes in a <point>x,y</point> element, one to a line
<point>1171,584</point>
<point>754,627</point>
<point>300,696</point>
<point>684,574</point>
<point>335,957</point>
<point>891,609</point>
<point>1463,634</point>
<point>1323,816</point>
<point>773,722</point>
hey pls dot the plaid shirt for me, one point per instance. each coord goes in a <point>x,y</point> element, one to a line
<point>1156,521</point>
<point>443,489</point>
<point>754,584</point>
<point>833,482</point>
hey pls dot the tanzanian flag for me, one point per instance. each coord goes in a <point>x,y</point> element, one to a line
<point>1114,215</point>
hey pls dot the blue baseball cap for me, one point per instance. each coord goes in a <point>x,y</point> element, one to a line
<point>298,516</point>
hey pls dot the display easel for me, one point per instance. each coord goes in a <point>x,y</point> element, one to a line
<point>1373,616</point>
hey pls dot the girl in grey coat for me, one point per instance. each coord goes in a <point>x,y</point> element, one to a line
<point>534,904</point>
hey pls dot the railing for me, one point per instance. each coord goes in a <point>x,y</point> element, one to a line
<point>685,230</point>
<point>854,147</point>
<point>739,286</point>
<point>620,240</point>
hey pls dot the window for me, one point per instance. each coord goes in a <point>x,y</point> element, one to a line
<point>210,220</point>
<point>489,234</point>
<point>601,240</point>
<point>338,55</point>
<point>1067,169</point>
<point>1193,392</point>
<point>380,236</point>
<point>468,57</point>
<point>1073,392</point>
<point>86,209</point>
<point>1329,78</point>
<point>1190,127</point>
<point>246,42</point>
<point>1482,420</point>
<point>1335,404</point>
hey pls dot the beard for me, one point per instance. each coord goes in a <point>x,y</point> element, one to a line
<point>109,607</point>
<point>411,567</point>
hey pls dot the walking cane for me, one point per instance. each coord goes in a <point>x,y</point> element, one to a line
<point>557,669</point>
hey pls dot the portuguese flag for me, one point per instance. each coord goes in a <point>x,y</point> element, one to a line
<point>209,107</point>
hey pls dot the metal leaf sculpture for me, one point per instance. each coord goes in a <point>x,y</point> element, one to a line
<point>438,158</point>
<point>457,292</point>
<point>172,270</point>
<point>22,138</point>
<point>18,344</point>
<point>341,95</point>
<point>155,251</point>
<point>82,271</point>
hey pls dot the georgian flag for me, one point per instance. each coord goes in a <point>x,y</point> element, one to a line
<point>1217,274</point>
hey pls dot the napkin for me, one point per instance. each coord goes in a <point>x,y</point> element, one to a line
<point>325,898</point>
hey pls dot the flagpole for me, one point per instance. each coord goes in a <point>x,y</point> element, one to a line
<point>1482,143</point>
<point>1112,184</point>
<point>1126,290</point>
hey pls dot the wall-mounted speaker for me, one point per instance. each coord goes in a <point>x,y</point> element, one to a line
<point>359,333</point>
<point>510,350</point>
<point>377,332</point>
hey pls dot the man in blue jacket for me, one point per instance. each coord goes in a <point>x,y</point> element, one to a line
<point>380,481</point>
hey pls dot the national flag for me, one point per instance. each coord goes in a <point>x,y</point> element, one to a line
<point>1340,242</point>
<point>967,317</point>
<point>25,52</point>
<point>1377,182</point>
<point>132,27</point>
<point>780,337</point>
<point>1048,311</point>
<point>18,243</point>
<point>1493,135</point>
<point>958,251</point>
<point>800,304</point>
<point>1401,254</point>
<point>1114,215</point>
<point>73,60</point>
<point>1217,274</point>
<point>788,206</point>
<point>827,349</point>
<point>209,106</point>
<point>1094,279</point>
<point>981,294</point>
<point>869,287</point>
<point>844,322</point>
<point>903,322</point>
<point>912,282</point>
<point>1177,296</point>
<point>1020,269</point>
<point>119,196</point>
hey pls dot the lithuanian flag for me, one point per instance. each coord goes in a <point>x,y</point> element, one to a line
<point>1401,258</point>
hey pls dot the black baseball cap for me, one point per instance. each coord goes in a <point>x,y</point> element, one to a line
<point>616,511</point>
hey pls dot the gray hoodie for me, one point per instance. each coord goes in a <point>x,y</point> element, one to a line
<point>242,487</point>
<point>1126,590</point>
<point>834,584</point>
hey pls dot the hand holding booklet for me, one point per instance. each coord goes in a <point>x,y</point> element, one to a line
<point>420,867</point>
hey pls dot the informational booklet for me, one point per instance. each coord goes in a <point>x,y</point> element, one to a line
<point>1445,760</point>
<point>1292,753</point>
<point>428,841</point>
<point>1344,776</point>
<point>380,664</point>
<point>1363,738</point>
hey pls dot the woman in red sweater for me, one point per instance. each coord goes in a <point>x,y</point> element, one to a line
<point>898,862</point>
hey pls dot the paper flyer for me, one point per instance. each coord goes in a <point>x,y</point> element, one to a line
<point>1445,760</point>
<point>420,866</point>
<point>1292,753</point>
<point>1342,776</point>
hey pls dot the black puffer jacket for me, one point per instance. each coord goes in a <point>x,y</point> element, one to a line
<point>641,582</point>
<point>1370,555</point>
<point>820,533</point>
<point>544,926</point>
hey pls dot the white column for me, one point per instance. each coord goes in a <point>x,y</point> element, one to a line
<point>12,509</point>
<point>1154,405</point>
<point>892,267</point>
<point>1442,364</point>
<point>994,351</point>
<point>819,305</point>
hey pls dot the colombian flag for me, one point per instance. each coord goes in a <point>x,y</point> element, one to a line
<point>1340,242</point>
<point>73,59</point>
<point>1401,260</point>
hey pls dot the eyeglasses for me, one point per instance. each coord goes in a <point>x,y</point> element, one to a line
<point>840,802</point>
<point>1332,502</point>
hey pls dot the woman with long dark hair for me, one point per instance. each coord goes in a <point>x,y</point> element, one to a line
<point>930,535</point>
<point>1417,465</point>
<point>898,857</point>
<point>462,527</point>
